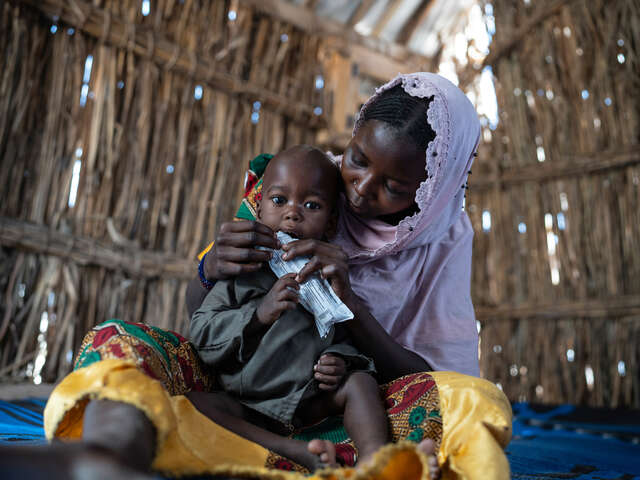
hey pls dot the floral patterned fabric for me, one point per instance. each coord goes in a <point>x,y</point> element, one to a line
<point>413,408</point>
<point>412,402</point>
<point>161,354</point>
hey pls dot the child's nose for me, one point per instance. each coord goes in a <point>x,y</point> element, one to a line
<point>293,215</point>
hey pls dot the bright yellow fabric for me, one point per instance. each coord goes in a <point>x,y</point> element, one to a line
<point>188,442</point>
<point>205,251</point>
<point>476,427</point>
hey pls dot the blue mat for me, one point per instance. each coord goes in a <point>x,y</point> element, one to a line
<point>21,422</point>
<point>574,443</point>
<point>564,442</point>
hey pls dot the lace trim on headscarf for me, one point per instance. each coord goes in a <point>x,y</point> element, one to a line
<point>436,159</point>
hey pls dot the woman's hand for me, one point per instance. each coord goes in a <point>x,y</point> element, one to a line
<point>283,296</point>
<point>327,259</point>
<point>329,371</point>
<point>234,249</point>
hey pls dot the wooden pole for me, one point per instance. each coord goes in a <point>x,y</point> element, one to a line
<point>564,167</point>
<point>136,262</point>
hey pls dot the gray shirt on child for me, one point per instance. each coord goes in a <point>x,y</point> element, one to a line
<point>268,371</point>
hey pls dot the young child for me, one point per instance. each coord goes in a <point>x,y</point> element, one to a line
<point>262,345</point>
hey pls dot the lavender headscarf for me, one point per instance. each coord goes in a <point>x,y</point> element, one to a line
<point>415,277</point>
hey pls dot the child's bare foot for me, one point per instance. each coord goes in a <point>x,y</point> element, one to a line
<point>324,451</point>
<point>428,447</point>
<point>313,455</point>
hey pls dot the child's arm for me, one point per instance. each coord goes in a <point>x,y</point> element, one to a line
<point>230,323</point>
<point>393,359</point>
<point>221,328</point>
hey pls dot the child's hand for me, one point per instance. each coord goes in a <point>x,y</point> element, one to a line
<point>282,296</point>
<point>329,371</point>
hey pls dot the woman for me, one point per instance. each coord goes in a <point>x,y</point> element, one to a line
<point>401,230</point>
<point>402,254</point>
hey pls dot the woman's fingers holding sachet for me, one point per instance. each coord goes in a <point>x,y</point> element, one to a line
<point>322,255</point>
<point>328,260</point>
<point>247,233</point>
<point>234,251</point>
<point>311,247</point>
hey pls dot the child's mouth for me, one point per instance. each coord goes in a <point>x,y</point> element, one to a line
<point>292,234</point>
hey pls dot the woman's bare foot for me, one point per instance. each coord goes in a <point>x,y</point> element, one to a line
<point>428,447</point>
<point>324,451</point>
<point>63,461</point>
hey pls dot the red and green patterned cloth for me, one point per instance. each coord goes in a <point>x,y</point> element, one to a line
<point>253,187</point>
<point>413,409</point>
<point>161,354</point>
<point>252,192</point>
<point>412,402</point>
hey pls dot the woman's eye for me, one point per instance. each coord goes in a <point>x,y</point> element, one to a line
<point>358,162</point>
<point>312,205</point>
<point>392,190</point>
<point>278,200</point>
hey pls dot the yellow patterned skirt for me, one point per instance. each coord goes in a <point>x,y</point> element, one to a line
<point>468,418</point>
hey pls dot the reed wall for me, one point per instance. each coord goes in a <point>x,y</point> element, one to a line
<point>154,119</point>
<point>158,133</point>
<point>555,203</point>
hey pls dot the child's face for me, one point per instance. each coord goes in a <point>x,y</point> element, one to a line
<point>299,192</point>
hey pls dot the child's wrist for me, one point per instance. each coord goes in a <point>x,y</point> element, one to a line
<point>267,317</point>
<point>260,316</point>
<point>256,326</point>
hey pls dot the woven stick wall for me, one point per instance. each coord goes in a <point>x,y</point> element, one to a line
<point>555,203</point>
<point>153,118</point>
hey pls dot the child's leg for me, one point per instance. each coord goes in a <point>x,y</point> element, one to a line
<point>232,415</point>
<point>365,418</point>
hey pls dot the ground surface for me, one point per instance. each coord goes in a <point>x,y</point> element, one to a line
<point>549,443</point>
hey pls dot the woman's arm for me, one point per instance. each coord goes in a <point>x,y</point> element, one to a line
<point>234,252</point>
<point>392,359</point>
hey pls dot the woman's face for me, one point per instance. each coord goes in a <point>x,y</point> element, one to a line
<point>381,171</point>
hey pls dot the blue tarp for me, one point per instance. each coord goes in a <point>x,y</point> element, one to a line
<point>21,422</point>
<point>548,443</point>
<point>575,443</point>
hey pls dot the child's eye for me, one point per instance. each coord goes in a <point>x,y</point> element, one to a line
<point>279,199</point>
<point>312,205</point>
